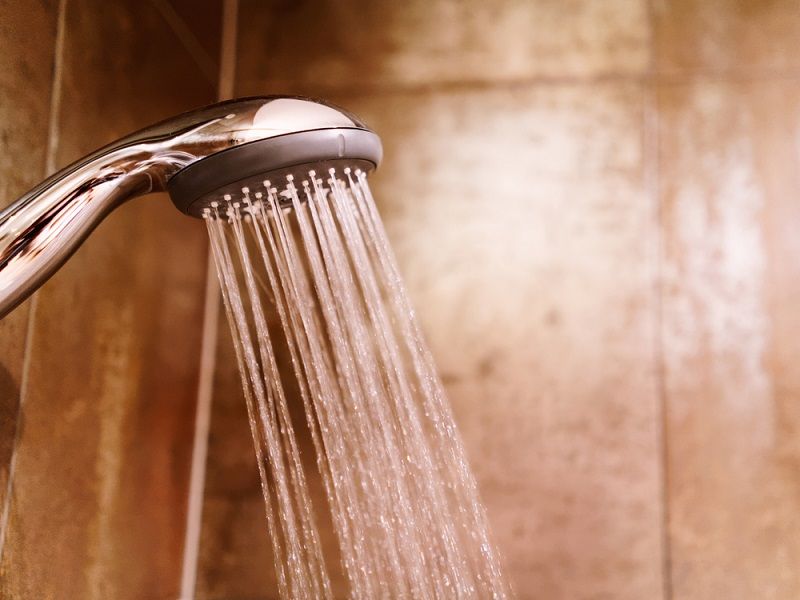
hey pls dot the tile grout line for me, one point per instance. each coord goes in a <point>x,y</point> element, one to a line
<point>194,511</point>
<point>50,162</point>
<point>652,124</point>
<point>649,76</point>
<point>660,356</point>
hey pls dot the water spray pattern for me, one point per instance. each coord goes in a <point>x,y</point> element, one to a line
<point>403,502</point>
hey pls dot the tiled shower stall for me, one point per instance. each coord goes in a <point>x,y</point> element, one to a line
<point>594,204</point>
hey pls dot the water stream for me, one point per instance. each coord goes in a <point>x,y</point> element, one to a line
<point>308,278</point>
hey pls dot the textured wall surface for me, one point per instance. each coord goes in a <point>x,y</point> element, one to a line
<point>592,204</point>
<point>100,446</point>
<point>728,153</point>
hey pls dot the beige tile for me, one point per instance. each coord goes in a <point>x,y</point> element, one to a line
<point>328,45</point>
<point>731,329</point>
<point>27,41</point>
<point>735,37</point>
<point>525,234</point>
<point>99,493</point>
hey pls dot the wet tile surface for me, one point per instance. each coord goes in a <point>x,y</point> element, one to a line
<point>732,37</point>
<point>352,44</point>
<point>27,39</point>
<point>731,330</point>
<point>519,219</point>
<point>103,458</point>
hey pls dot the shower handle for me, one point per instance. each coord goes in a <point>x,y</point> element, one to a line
<point>40,231</point>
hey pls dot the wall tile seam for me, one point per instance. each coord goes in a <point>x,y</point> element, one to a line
<point>652,164</point>
<point>651,123</point>
<point>651,79</point>
<point>209,341</point>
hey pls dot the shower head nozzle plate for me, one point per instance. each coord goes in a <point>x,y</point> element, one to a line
<point>207,180</point>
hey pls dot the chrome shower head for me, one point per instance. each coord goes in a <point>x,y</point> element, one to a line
<point>320,136</point>
<point>197,157</point>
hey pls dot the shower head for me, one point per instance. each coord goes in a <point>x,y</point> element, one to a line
<point>293,136</point>
<point>197,157</point>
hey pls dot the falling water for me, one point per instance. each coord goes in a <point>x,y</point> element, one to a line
<point>315,260</point>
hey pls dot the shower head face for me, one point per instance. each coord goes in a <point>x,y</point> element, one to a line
<point>287,137</point>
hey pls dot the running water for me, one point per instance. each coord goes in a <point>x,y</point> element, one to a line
<point>402,499</point>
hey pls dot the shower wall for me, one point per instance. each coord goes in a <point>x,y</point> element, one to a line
<point>98,372</point>
<point>593,205</point>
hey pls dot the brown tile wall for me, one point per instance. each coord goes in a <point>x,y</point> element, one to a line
<point>728,162</point>
<point>27,39</point>
<point>593,204</point>
<point>101,444</point>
